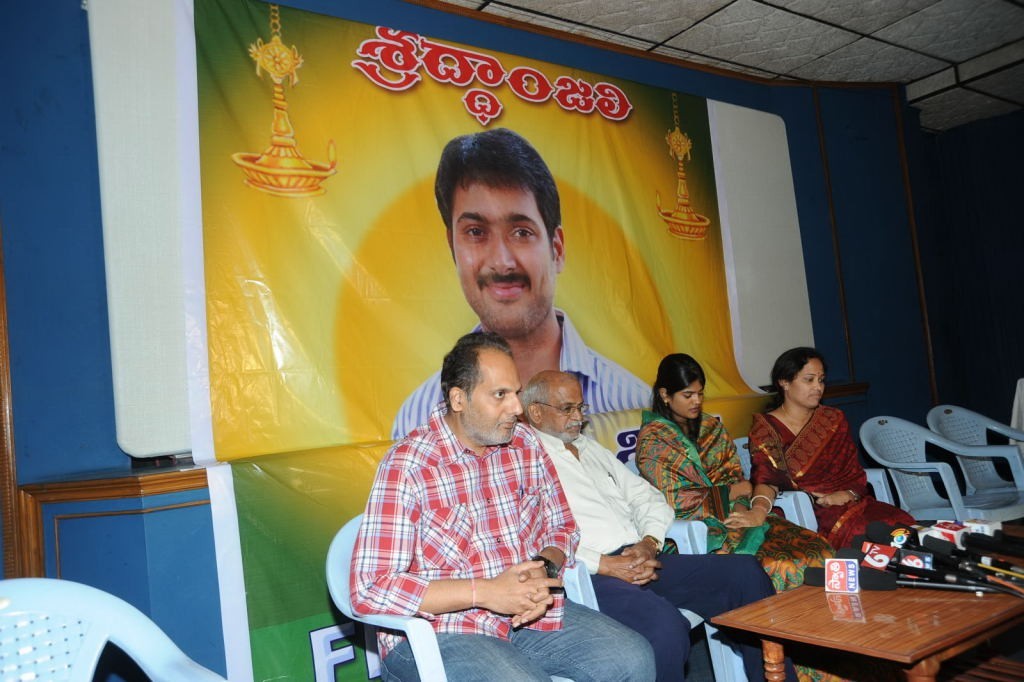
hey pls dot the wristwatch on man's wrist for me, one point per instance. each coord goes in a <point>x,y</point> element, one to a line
<point>549,566</point>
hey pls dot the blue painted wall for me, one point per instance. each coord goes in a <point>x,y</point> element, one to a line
<point>52,242</point>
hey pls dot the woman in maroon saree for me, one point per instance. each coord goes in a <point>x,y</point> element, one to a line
<point>804,445</point>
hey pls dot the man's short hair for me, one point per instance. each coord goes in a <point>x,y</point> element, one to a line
<point>497,158</point>
<point>461,366</point>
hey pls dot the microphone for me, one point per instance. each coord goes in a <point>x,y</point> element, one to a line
<point>934,578</point>
<point>906,582</point>
<point>979,543</point>
<point>965,560</point>
<point>906,539</point>
<point>867,579</point>
<point>887,534</point>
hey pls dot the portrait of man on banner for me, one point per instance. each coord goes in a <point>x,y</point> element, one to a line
<point>502,216</point>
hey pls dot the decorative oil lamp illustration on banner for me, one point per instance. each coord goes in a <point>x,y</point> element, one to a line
<point>682,221</point>
<point>281,169</point>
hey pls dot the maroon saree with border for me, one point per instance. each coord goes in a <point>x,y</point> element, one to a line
<point>822,459</point>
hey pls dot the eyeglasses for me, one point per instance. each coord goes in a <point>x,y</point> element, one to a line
<point>568,409</point>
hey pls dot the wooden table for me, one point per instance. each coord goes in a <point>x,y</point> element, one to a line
<point>916,628</point>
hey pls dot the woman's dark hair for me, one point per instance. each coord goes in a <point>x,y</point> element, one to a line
<point>461,366</point>
<point>676,372</point>
<point>788,365</point>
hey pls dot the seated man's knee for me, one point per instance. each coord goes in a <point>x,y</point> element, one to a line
<point>634,659</point>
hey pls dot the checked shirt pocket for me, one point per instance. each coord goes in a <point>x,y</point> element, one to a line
<point>446,533</point>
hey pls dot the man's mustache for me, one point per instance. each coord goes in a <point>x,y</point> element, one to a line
<point>511,278</point>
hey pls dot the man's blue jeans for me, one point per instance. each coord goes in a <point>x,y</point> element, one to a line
<point>590,647</point>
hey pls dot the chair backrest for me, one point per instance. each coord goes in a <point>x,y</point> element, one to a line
<point>421,635</point>
<point>958,424</point>
<point>57,629</point>
<point>970,428</point>
<point>743,452</point>
<point>899,446</point>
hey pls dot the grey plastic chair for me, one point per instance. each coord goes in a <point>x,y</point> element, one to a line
<point>970,428</point>
<point>421,635</point>
<point>899,445</point>
<point>57,629</point>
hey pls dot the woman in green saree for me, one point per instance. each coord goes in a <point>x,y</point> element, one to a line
<point>690,457</point>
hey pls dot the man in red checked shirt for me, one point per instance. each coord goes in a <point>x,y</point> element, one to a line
<point>468,527</point>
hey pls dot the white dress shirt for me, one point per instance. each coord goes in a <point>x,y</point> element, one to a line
<point>612,505</point>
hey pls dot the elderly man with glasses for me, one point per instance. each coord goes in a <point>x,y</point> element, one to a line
<point>623,520</point>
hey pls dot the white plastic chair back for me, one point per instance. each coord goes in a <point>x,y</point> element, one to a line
<point>970,428</point>
<point>55,630</point>
<point>900,446</point>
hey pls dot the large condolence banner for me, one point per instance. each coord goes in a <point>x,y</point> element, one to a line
<point>331,290</point>
<point>332,287</point>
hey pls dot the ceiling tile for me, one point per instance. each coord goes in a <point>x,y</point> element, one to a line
<point>958,29</point>
<point>566,27</point>
<point>937,81</point>
<point>870,61</point>
<point>756,35</point>
<point>958,106</point>
<point>864,16</point>
<point>653,20</point>
<point>1008,84</point>
<point>710,61</point>
<point>990,61</point>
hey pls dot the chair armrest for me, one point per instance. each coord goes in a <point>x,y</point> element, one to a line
<point>690,536</point>
<point>423,641</point>
<point>578,586</point>
<point>880,484</point>
<point>1008,452</point>
<point>1008,431</point>
<point>798,507</point>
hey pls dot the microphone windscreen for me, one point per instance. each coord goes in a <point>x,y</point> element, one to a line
<point>938,545</point>
<point>880,532</point>
<point>814,576</point>
<point>849,553</point>
<point>870,579</point>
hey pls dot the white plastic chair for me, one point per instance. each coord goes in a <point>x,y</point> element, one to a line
<point>795,504</point>
<point>57,629</point>
<point>900,445</point>
<point>970,428</point>
<point>422,638</point>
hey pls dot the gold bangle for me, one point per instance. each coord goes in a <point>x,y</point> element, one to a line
<point>767,499</point>
<point>856,497</point>
<point>654,542</point>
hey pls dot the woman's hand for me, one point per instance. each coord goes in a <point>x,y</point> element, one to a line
<point>745,518</point>
<point>741,489</point>
<point>836,499</point>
